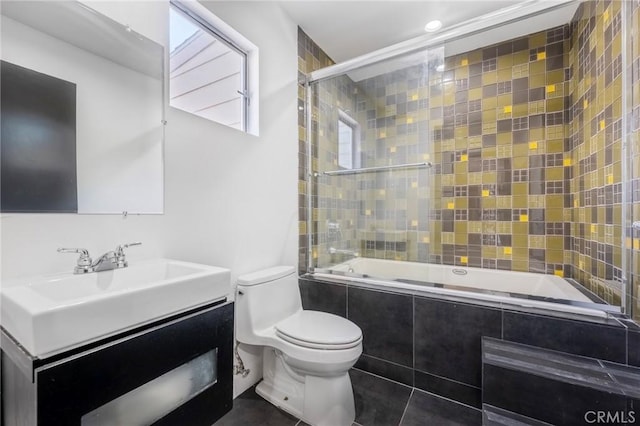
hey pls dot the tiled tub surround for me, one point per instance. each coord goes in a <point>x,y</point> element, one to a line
<point>434,344</point>
<point>526,141</point>
<point>521,379</point>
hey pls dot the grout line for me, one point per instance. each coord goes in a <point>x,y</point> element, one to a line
<point>501,323</point>
<point>447,379</point>
<point>406,407</point>
<point>449,399</point>
<point>386,361</point>
<point>413,337</point>
<point>626,346</point>
<point>383,378</point>
<point>346,301</point>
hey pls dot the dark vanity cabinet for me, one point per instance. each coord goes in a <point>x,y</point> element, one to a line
<point>177,371</point>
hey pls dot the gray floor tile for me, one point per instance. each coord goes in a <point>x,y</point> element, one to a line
<point>379,402</point>
<point>427,409</point>
<point>251,409</point>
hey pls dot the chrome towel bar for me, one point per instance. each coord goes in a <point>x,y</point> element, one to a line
<point>372,169</point>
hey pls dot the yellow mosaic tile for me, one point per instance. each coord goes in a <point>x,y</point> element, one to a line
<point>475,227</point>
<point>448,238</point>
<point>503,227</point>
<point>488,228</point>
<point>520,241</point>
<point>520,70</point>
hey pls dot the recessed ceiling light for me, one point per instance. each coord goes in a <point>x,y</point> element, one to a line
<point>432,26</point>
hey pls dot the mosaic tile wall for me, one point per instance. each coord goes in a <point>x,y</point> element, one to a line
<point>595,140</point>
<point>499,141</point>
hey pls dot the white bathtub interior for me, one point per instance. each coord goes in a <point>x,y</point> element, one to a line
<point>527,283</point>
<point>509,289</point>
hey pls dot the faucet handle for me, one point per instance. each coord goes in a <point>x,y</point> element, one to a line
<point>83,265</point>
<point>120,248</point>
<point>137,243</point>
<point>120,257</point>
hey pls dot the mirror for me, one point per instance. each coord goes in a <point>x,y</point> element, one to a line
<point>117,131</point>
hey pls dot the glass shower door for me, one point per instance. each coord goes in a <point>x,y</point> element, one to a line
<point>371,152</point>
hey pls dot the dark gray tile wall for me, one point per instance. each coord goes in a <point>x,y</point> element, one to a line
<point>434,345</point>
<point>466,394</point>
<point>634,348</point>
<point>563,403</point>
<point>326,297</point>
<point>556,387</point>
<point>448,338</point>
<point>576,337</point>
<point>386,320</point>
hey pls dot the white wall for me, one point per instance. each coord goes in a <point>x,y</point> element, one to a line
<point>236,194</point>
<point>230,198</point>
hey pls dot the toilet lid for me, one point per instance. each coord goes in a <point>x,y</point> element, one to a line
<point>319,330</point>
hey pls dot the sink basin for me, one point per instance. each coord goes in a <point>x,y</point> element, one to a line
<point>52,313</point>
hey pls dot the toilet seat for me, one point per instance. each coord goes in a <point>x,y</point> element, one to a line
<point>319,330</point>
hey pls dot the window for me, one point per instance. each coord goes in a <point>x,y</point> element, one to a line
<point>209,66</point>
<point>348,141</point>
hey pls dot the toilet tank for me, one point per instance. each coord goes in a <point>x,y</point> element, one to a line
<point>264,298</point>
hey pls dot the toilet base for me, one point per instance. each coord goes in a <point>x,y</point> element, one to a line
<point>318,401</point>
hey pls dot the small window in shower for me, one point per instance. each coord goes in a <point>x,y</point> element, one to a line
<point>348,137</point>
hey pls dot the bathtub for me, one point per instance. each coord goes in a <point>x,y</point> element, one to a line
<point>523,289</point>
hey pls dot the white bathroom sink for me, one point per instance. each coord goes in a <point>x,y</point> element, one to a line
<point>49,314</point>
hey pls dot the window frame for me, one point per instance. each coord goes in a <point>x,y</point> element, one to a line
<point>229,37</point>
<point>345,118</point>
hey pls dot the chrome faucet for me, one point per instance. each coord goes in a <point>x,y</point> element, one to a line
<point>110,260</point>
<point>105,262</point>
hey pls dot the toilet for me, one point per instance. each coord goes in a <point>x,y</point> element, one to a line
<point>307,354</point>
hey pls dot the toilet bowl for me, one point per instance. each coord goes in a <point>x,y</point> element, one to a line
<point>306,354</point>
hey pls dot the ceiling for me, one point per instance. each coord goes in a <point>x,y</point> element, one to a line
<point>347,29</point>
